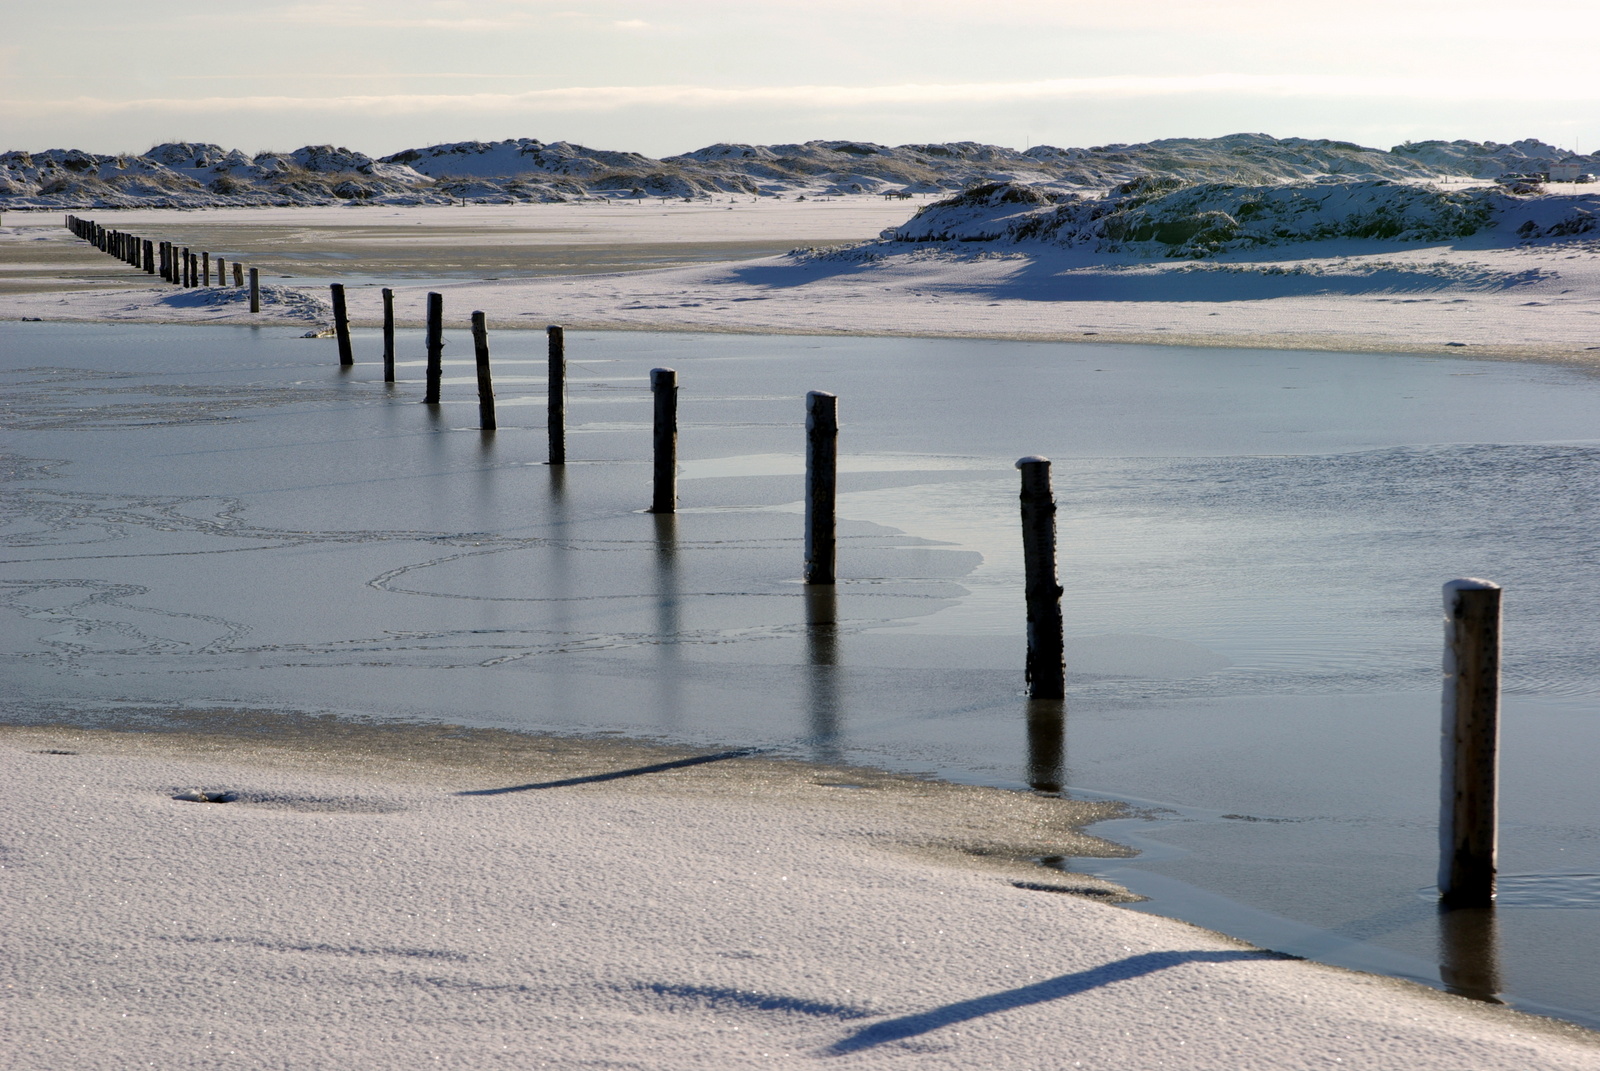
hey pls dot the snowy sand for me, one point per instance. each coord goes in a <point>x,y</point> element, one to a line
<point>372,905</point>
<point>530,265</point>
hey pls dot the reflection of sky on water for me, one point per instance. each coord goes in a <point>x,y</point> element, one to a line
<point>1252,548</point>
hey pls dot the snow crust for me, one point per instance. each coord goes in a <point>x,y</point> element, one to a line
<point>328,919</point>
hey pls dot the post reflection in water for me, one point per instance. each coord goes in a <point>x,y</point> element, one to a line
<point>1469,952</point>
<point>669,619</point>
<point>1047,744</point>
<point>822,651</point>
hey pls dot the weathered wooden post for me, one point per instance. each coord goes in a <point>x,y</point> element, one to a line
<point>149,257</point>
<point>430,394</point>
<point>388,335</point>
<point>1468,803</point>
<point>238,273</point>
<point>205,269</point>
<point>1046,666</point>
<point>822,464</point>
<point>222,271</point>
<point>255,289</point>
<point>480,350</point>
<point>556,395</point>
<point>341,325</point>
<point>664,386</point>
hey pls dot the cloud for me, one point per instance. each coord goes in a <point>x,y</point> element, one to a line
<point>843,97</point>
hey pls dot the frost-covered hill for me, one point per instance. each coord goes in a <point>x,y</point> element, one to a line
<point>1165,217</point>
<point>182,174</point>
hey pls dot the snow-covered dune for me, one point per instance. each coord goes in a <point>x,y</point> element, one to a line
<point>1167,218</point>
<point>526,170</point>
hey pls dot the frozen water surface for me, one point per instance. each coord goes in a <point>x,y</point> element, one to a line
<point>1253,544</point>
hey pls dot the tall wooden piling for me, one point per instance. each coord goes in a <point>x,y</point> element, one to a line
<point>430,394</point>
<point>149,257</point>
<point>238,273</point>
<point>1469,788</point>
<point>822,465</point>
<point>480,351</point>
<point>1046,665</point>
<point>222,271</point>
<point>255,289</point>
<point>341,325</point>
<point>556,395</point>
<point>664,388</point>
<point>184,266</point>
<point>205,269</point>
<point>388,335</point>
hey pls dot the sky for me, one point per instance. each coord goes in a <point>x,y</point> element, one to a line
<point>667,76</point>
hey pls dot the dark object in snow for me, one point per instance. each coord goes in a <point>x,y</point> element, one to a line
<point>197,796</point>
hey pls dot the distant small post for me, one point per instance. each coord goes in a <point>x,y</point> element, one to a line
<point>430,394</point>
<point>205,269</point>
<point>255,289</point>
<point>822,464</point>
<point>341,325</point>
<point>664,386</point>
<point>1468,803</point>
<point>238,273</point>
<point>388,335</point>
<point>1046,666</point>
<point>480,349</point>
<point>556,395</point>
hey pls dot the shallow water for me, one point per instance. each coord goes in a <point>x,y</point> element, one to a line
<point>1252,545</point>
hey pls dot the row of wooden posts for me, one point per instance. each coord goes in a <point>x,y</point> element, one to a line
<point>177,265</point>
<point>1469,785</point>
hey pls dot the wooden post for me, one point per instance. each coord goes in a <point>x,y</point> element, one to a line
<point>149,257</point>
<point>556,395</point>
<point>205,269</point>
<point>388,335</point>
<point>222,271</point>
<point>664,386</point>
<point>1046,666</point>
<point>255,289</point>
<point>822,464</point>
<point>480,350</point>
<point>430,395</point>
<point>341,325</point>
<point>1468,805</point>
<point>238,273</point>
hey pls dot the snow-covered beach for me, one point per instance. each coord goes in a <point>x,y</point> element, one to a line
<point>1489,295</point>
<point>655,980</point>
<point>385,898</point>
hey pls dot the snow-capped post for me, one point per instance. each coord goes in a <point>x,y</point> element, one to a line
<point>1468,805</point>
<point>238,273</point>
<point>388,335</point>
<point>1046,665</point>
<point>556,395</point>
<point>341,325</point>
<point>822,464</point>
<point>255,289</point>
<point>480,349</point>
<point>205,269</point>
<point>149,257</point>
<point>664,386</point>
<point>430,394</point>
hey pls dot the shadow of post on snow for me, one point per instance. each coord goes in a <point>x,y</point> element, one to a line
<point>1066,985</point>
